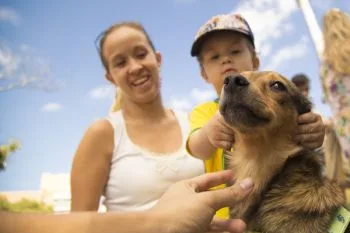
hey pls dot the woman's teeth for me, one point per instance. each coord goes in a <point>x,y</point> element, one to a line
<point>140,81</point>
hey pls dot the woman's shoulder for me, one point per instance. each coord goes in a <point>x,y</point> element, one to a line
<point>97,140</point>
<point>100,128</point>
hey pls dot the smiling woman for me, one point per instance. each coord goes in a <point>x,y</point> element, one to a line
<point>138,151</point>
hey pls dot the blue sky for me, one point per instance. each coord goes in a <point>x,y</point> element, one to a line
<point>52,84</point>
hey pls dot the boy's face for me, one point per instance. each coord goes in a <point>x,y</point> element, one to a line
<point>224,54</point>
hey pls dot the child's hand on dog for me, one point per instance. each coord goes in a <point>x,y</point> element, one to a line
<point>310,131</point>
<point>219,134</point>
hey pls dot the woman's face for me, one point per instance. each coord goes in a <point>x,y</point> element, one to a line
<point>133,66</point>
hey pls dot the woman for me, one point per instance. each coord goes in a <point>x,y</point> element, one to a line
<point>134,155</point>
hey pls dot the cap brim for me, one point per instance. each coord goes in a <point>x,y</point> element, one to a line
<point>197,44</point>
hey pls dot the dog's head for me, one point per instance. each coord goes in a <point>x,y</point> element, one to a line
<point>261,99</point>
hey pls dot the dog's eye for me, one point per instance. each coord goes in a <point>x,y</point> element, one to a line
<point>278,86</point>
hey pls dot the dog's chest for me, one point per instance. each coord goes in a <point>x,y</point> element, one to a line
<point>245,209</point>
<point>297,199</point>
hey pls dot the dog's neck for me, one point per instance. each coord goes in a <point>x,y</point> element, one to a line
<point>260,156</point>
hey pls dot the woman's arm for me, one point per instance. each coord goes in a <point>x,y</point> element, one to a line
<point>91,166</point>
<point>83,222</point>
<point>186,207</point>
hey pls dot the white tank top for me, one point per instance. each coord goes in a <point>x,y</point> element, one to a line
<point>138,177</point>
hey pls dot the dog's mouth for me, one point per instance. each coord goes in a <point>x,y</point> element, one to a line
<point>248,115</point>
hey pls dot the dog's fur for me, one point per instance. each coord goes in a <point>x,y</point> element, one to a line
<point>290,194</point>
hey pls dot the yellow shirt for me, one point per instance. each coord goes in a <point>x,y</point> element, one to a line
<point>198,118</point>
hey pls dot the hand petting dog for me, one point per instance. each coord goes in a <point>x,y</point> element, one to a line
<point>310,131</point>
<point>219,134</point>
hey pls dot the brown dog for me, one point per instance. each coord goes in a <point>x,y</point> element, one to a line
<point>290,194</point>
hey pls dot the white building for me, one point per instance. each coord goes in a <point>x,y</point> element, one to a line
<point>54,191</point>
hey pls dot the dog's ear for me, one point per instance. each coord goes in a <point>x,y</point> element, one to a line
<point>302,103</point>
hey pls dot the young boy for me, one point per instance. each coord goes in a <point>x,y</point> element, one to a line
<point>225,46</point>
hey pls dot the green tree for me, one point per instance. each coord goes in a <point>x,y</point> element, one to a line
<point>5,150</point>
<point>4,204</point>
<point>24,205</point>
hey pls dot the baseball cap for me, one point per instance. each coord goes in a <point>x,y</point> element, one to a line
<point>227,22</point>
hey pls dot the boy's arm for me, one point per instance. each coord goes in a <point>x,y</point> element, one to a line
<point>208,132</point>
<point>199,146</point>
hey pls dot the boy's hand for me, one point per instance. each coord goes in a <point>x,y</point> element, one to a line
<point>219,134</point>
<point>310,131</point>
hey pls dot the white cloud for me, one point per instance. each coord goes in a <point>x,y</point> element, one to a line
<point>102,92</point>
<point>9,15</point>
<point>9,62</point>
<point>200,96</point>
<point>25,48</point>
<point>196,96</point>
<point>267,18</point>
<point>22,68</point>
<point>51,107</point>
<point>271,23</point>
<point>288,27</point>
<point>288,53</point>
<point>183,104</point>
<point>265,50</point>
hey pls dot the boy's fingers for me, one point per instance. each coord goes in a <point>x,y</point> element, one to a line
<point>314,137</point>
<point>308,118</point>
<point>223,122</point>
<point>313,146</point>
<point>227,129</point>
<point>225,145</point>
<point>225,137</point>
<point>228,196</point>
<point>310,141</point>
<point>209,180</point>
<point>310,128</point>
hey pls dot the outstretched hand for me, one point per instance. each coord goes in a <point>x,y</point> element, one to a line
<point>188,206</point>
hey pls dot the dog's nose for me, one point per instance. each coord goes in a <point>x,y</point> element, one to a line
<point>235,81</point>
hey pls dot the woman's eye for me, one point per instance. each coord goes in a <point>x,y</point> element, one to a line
<point>278,86</point>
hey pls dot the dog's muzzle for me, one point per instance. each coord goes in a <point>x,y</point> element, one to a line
<point>234,83</point>
<point>238,104</point>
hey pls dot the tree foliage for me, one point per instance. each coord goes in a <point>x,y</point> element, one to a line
<point>24,205</point>
<point>6,150</point>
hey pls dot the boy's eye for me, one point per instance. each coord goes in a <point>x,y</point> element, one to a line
<point>278,86</point>
<point>214,57</point>
<point>119,63</point>
<point>235,51</point>
<point>141,54</point>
